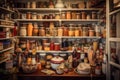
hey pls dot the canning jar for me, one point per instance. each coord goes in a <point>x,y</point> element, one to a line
<point>77,31</point>
<point>39,16</point>
<point>57,46</point>
<point>83,14</point>
<point>47,46</point>
<point>60,31</point>
<point>63,15</point>
<point>77,15</point>
<point>33,4</point>
<point>65,31</point>
<point>23,31</point>
<point>71,30</point>
<point>94,15</point>
<point>91,32</point>
<point>85,31</point>
<point>35,29</point>
<point>52,45</point>
<point>28,15</point>
<point>28,5</point>
<point>30,29</point>
<point>57,16</point>
<point>42,31</point>
<point>68,15</point>
<point>74,16</point>
<point>34,15</point>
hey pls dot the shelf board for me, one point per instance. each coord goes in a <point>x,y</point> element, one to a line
<point>114,11</point>
<point>5,26</point>
<point>59,9</point>
<point>7,21</point>
<point>6,49</point>
<point>6,38</point>
<point>56,20</point>
<point>4,60</point>
<point>115,64</point>
<point>114,39</point>
<point>4,10</point>
<point>69,37</point>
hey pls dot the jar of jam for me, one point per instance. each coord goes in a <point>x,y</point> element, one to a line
<point>85,31</point>
<point>63,15</point>
<point>34,15</point>
<point>65,31</point>
<point>52,45</point>
<point>83,14</point>
<point>60,31</point>
<point>35,29</point>
<point>33,4</point>
<point>42,31</point>
<point>28,16</point>
<point>57,46</point>
<point>77,31</point>
<point>68,15</point>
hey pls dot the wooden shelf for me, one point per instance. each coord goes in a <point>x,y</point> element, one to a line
<point>114,64</point>
<point>7,21</point>
<point>69,37</point>
<point>5,26</point>
<point>4,10</point>
<point>6,49</point>
<point>6,38</point>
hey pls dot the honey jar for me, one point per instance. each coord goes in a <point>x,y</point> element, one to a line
<point>35,29</point>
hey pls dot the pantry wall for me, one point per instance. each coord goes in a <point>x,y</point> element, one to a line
<point>54,39</point>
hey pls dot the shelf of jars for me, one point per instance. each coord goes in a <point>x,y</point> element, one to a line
<point>58,9</point>
<point>114,64</point>
<point>9,48</point>
<point>67,37</point>
<point>5,10</point>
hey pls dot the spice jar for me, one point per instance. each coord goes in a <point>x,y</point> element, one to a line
<point>60,31</point>
<point>33,4</point>
<point>47,46</point>
<point>42,31</point>
<point>68,15</point>
<point>65,31</point>
<point>35,29</point>
<point>57,16</point>
<point>77,31</point>
<point>28,15</point>
<point>94,15</point>
<point>30,29</point>
<point>42,59</point>
<point>34,15</point>
<point>83,15</point>
<point>39,16</point>
<point>63,15</point>
<point>57,46</point>
<point>91,32</point>
<point>73,15</point>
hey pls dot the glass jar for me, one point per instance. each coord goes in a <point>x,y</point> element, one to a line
<point>71,30</point>
<point>35,29</point>
<point>42,31</point>
<point>57,46</point>
<point>68,15</point>
<point>63,15</point>
<point>30,29</point>
<point>28,15</point>
<point>28,5</point>
<point>77,31</point>
<point>65,31</point>
<point>23,16</point>
<point>52,45</point>
<point>88,16</point>
<point>91,32</point>
<point>1,45</point>
<point>85,31</point>
<point>47,46</point>
<point>80,31</point>
<point>39,16</point>
<point>57,16</point>
<point>94,15</point>
<point>23,45</point>
<point>33,4</point>
<point>44,41</point>
<point>83,14</point>
<point>34,15</point>
<point>74,16</point>
<point>60,31</point>
<point>23,31</point>
<point>77,15</point>
<point>55,30</point>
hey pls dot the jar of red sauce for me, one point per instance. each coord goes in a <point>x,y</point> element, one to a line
<point>57,46</point>
<point>52,45</point>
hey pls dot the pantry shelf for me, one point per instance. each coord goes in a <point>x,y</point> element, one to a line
<point>114,11</point>
<point>6,38</point>
<point>5,10</point>
<point>6,26</point>
<point>4,60</point>
<point>114,39</point>
<point>115,64</point>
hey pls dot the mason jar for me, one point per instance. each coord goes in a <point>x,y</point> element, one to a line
<point>71,30</point>
<point>60,31</point>
<point>23,31</point>
<point>34,15</point>
<point>42,31</point>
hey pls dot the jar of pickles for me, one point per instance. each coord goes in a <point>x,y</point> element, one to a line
<point>60,31</point>
<point>35,29</point>
<point>42,31</point>
<point>57,46</point>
